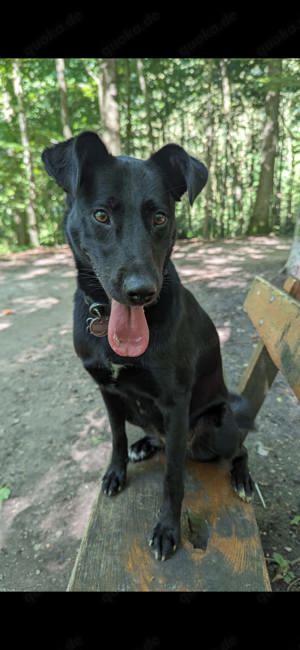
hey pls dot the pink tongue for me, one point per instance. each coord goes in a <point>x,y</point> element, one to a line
<point>128,333</point>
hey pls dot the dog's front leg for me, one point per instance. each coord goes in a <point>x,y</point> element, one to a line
<point>166,534</point>
<point>115,476</point>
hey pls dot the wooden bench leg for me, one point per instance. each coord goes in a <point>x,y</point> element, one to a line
<point>257,378</point>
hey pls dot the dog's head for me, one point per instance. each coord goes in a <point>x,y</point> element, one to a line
<point>121,218</point>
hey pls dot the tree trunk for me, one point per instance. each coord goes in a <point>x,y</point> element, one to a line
<point>208,218</point>
<point>109,110</point>
<point>261,217</point>
<point>226,96</point>
<point>20,226</point>
<point>278,185</point>
<point>128,145</point>
<point>289,208</point>
<point>27,160</point>
<point>226,93</point>
<point>62,86</point>
<point>292,266</point>
<point>182,127</point>
<point>252,153</point>
<point>19,218</point>
<point>7,107</point>
<point>147,100</point>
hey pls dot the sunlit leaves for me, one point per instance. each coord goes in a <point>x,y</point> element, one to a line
<point>184,104</point>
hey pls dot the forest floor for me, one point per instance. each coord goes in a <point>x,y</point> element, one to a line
<point>54,432</point>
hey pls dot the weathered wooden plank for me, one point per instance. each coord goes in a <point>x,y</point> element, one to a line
<point>292,286</point>
<point>261,370</point>
<point>276,316</point>
<point>220,551</point>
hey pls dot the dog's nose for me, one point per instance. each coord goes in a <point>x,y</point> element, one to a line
<point>138,290</point>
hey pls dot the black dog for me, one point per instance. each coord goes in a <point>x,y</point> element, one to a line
<point>157,360</point>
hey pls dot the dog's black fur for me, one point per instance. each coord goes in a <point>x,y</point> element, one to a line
<point>175,389</point>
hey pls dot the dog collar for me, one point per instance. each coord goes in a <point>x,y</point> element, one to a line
<point>97,321</point>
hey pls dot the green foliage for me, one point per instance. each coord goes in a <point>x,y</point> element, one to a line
<point>96,440</point>
<point>295,521</point>
<point>4,493</point>
<point>160,101</point>
<point>284,570</point>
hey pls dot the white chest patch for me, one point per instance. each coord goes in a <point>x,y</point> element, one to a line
<point>115,369</point>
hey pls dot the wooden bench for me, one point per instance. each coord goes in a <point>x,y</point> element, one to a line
<point>221,548</point>
<point>275,315</point>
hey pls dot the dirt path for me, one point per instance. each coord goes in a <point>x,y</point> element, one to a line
<point>54,433</point>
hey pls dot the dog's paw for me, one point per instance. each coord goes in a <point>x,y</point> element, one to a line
<point>143,449</point>
<point>113,481</point>
<point>242,484</point>
<point>164,540</point>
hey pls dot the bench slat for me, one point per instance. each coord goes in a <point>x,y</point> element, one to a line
<point>261,370</point>
<point>276,317</point>
<point>220,551</point>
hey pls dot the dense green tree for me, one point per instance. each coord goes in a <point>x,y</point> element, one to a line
<point>239,116</point>
<point>260,221</point>
<point>32,228</point>
<point>109,108</point>
<point>60,71</point>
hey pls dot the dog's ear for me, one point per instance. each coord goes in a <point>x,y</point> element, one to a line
<point>182,172</point>
<point>71,161</point>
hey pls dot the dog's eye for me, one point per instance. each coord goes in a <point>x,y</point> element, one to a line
<point>159,219</point>
<point>101,216</point>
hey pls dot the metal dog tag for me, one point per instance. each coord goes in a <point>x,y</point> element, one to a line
<point>98,323</point>
<point>98,326</point>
